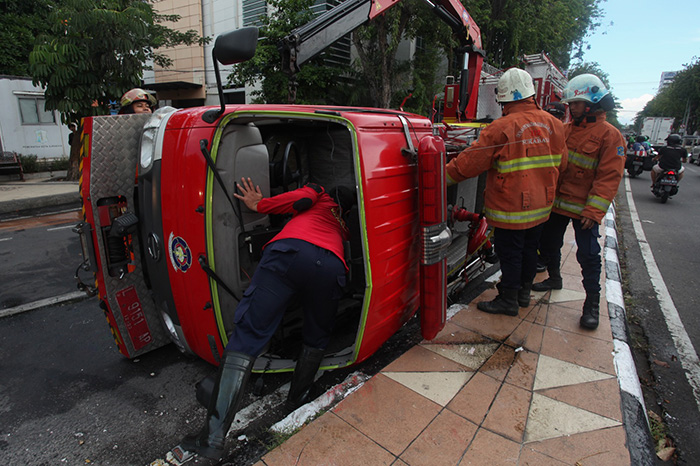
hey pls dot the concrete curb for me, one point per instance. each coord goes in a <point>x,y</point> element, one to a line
<point>639,441</point>
<point>41,202</point>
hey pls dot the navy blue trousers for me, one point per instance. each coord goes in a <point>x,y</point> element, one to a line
<point>587,253</point>
<point>289,267</point>
<point>517,253</point>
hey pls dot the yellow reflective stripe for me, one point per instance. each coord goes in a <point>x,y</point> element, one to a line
<point>527,163</point>
<point>525,216</point>
<point>582,161</point>
<point>598,202</point>
<point>572,207</point>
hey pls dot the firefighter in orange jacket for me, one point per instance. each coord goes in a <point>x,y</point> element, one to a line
<point>586,189</point>
<point>524,152</point>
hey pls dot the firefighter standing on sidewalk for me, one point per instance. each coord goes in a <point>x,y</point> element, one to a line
<point>586,189</point>
<point>524,151</point>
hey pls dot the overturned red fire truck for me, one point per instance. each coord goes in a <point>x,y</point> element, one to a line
<point>173,252</point>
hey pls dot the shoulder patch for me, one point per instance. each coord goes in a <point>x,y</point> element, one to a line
<point>621,151</point>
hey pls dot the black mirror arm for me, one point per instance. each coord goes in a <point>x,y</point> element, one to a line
<point>212,115</point>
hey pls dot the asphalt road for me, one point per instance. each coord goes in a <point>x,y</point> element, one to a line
<point>667,369</point>
<point>39,256</point>
<point>68,397</point>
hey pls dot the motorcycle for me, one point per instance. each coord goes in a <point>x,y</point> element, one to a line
<point>666,185</point>
<point>637,162</point>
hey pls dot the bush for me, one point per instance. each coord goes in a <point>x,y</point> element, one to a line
<point>33,164</point>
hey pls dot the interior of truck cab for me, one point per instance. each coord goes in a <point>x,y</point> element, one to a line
<point>279,155</point>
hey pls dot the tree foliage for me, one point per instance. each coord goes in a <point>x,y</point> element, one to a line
<point>21,21</point>
<point>594,68</point>
<point>512,28</point>
<point>95,50</point>
<point>681,96</point>
<point>317,82</point>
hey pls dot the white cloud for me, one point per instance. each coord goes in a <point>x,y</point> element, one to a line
<point>631,106</point>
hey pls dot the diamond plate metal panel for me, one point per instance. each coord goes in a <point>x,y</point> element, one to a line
<point>115,154</point>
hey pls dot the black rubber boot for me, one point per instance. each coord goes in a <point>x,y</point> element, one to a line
<point>505,303</point>
<point>524,294</point>
<point>204,388</point>
<point>591,311</point>
<point>231,380</point>
<point>307,366</point>
<point>553,282</point>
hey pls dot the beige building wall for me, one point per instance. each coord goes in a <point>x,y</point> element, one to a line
<point>188,60</point>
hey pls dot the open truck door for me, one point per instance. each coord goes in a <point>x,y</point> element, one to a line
<point>435,235</point>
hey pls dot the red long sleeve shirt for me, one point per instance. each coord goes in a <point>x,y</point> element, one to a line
<point>320,223</point>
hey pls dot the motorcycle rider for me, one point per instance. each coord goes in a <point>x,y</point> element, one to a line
<point>524,152</point>
<point>586,189</point>
<point>671,157</point>
<point>640,144</point>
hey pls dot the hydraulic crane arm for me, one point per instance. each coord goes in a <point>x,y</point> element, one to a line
<point>309,40</point>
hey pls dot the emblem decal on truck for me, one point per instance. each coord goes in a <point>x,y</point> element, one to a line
<point>180,254</point>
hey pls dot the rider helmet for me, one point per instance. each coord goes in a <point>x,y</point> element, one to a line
<point>641,138</point>
<point>674,140</point>
<point>137,95</point>
<point>556,109</point>
<point>588,88</point>
<point>514,85</point>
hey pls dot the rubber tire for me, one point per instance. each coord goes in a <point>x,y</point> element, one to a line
<point>631,173</point>
<point>664,197</point>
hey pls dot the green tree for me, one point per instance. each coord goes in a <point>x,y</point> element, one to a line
<point>21,21</point>
<point>680,100</point>
<point>94,51</point>
<point>594,68</point>
<point>317,82</point>
<point>513,28</point>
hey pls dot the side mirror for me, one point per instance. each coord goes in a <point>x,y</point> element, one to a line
<point>230,48</point>
<point>235,46</point>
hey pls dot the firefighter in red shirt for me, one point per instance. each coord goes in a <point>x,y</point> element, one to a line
<point>586,189</point>
<point>306,260</point>
<point>524,152</point>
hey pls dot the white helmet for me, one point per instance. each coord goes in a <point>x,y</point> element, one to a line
<point>585,87</point>
<point>515,84</point>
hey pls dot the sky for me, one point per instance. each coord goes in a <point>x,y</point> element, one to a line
<point>637,41</point>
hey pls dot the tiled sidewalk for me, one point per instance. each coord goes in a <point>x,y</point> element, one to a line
<point>489,390</point>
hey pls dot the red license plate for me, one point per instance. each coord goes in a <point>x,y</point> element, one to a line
<point>133,316</point>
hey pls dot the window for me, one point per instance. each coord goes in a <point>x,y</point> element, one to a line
<point>32,111</point>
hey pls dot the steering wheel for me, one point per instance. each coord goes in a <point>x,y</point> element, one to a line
<point>289,175</point>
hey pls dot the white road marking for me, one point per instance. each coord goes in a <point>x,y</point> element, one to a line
<point>687,354</point>
<point>6,239</point>
<point>41,303</point>
<point>64,227</point>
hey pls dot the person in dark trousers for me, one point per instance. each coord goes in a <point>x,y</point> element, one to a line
<point>670,157</point>
<point>523,153</point>
<point>306,260</point>
<point>586,189</point>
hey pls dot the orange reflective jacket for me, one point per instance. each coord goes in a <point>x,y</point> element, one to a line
<point>523,151</point>
<point>596,163</point>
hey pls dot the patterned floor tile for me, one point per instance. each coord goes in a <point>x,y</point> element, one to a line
<point>498,365</point>
<point>328,441</point>
<point>549,418</point>
<point>597,448</point>
<point>489,449</point>
<point>474,400</point>
<point>568,319</point>
<point>508,413</point>
<point>552,372</point>
<point>528,335</point>
<point>454,334</point>
<point>578,349</point>
<point>565,294</point>
<point>380,406</point>
<point>601,397</point>
<point>471,356</point>
<point>522,373</point>
<point>421,359</point>
<point>439,387</point>
<point>442,443</point>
